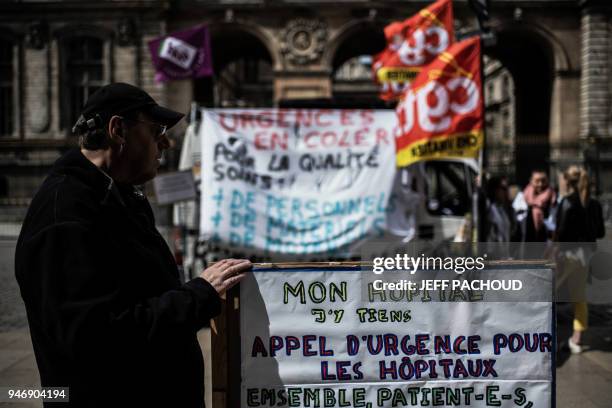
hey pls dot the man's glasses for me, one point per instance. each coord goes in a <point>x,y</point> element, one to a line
<point>158,130</point>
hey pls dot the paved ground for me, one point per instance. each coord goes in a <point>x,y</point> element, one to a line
<point>12,311</point>
<point>17,365</point>
<point>583,381</point>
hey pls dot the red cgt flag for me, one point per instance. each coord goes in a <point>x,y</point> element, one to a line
<point>441,114</point>
<point>411,44</point>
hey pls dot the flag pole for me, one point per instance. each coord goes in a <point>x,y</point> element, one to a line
<point>488,37</point>
<point>476,222</point>
<point>481,10</point>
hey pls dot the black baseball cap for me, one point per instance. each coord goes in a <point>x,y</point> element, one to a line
<point>120,98</point>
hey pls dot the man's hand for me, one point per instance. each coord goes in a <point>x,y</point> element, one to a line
<point>226,273</point>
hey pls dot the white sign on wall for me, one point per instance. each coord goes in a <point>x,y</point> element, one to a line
<point>174,187</point>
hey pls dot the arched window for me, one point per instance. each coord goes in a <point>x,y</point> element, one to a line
<point>7,94</point>
<point>244,73</point>
<point>353,85</point>
<point>84,70</point>
<point>245,82</point>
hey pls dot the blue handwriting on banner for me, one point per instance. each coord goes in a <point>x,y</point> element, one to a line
<point>296,225</point>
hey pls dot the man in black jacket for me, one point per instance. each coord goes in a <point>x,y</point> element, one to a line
<point>108,316</point>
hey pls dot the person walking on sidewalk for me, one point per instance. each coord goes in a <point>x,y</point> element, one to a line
<point>579,223</point>
<point>108,315</point>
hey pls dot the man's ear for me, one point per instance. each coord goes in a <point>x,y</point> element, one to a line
<point>115,130</point>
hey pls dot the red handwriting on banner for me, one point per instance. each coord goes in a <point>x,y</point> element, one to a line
<point>308,129</point>
<point>290,118</point>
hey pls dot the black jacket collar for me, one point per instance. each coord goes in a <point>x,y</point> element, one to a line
<point>75,164</point>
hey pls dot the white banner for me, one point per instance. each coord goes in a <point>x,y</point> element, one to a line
<point>295,181</point>
<point>313,337</point>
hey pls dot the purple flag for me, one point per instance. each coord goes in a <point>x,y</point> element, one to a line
<point>182,54</point>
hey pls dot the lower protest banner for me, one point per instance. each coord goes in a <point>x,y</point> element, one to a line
<point>319,337</point>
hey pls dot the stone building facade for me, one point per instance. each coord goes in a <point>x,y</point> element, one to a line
<point>555,53</point>
<point>499,119</point>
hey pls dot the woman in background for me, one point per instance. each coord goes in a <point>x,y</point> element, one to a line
<point>579,223</point>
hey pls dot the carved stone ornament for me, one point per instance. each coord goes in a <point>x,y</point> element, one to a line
<point>126,32</point>
<point>37,35</point>
<point>303,41</point>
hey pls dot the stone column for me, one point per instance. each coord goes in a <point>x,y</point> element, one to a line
<point>564,120</point>
<point>126,64</point>
<point>37,91</point>
<point>150,31</point>
<point>594,83</point>
<point>595,90</point>
<point>179,95</point>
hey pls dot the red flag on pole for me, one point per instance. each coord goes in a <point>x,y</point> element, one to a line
<point>411,44</point>
<point>441,114</point>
